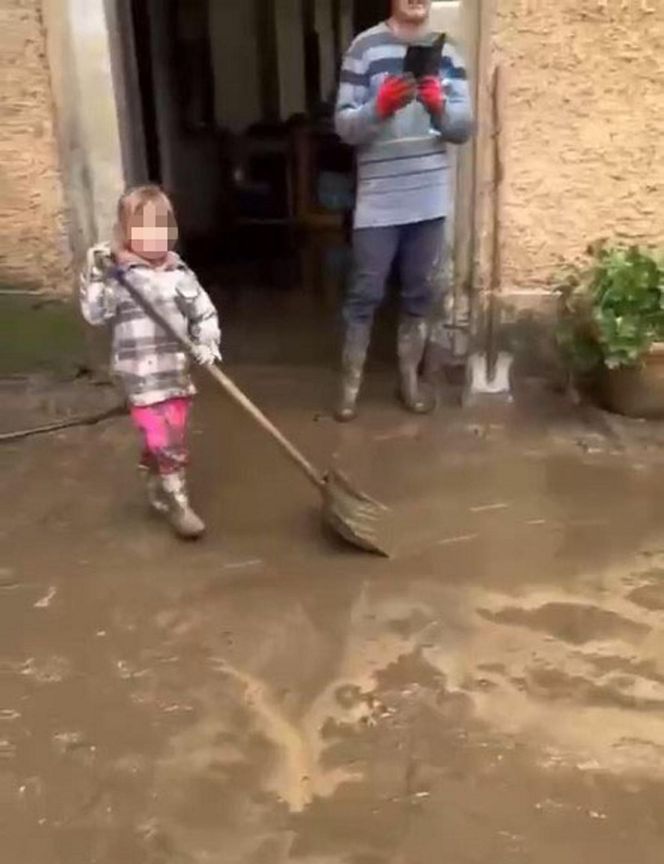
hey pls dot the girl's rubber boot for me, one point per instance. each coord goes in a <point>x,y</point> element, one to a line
<point>182,518</point>
<point>412,341</point>
<point>353,358</point>
<point>156,496</point>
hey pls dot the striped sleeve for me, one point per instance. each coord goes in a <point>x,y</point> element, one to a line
<point>456,123</point>
<point>356,120</point>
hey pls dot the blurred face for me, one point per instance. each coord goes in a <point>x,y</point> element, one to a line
<point>411,11</point>
<point>152,233</point>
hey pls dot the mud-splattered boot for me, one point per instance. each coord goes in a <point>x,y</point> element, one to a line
<point>353,358</point>
<point>182,518</point>
<point>412,341</point>
<point>156,496</point>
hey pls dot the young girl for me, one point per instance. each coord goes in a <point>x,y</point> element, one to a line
<point>152,367</point>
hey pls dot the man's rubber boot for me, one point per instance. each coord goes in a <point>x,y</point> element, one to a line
<point>353,358</point>
<point>183,520</point>
<point>412,342</point>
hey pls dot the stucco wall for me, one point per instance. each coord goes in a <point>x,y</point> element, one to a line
<point>584,126</point>
<point>34,244</point>
<point>583,132</point>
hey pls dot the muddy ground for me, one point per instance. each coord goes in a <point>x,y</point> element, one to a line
<point>492,693</point>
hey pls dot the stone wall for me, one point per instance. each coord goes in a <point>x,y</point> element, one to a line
<point>583,129</point>
<point>34,243</point>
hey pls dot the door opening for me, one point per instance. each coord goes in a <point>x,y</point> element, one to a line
<point>238,100</point>
<point>140,21</point>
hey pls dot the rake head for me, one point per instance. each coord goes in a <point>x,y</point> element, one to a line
<point>352,515</point>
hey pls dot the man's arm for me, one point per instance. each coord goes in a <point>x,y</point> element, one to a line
<point>455,122</point>
<point>356,117</point>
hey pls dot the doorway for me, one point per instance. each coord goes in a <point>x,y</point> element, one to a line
<point>237,102</point>
<point>368,13</point>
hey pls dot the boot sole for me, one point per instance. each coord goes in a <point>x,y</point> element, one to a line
<point>419,412</point>
<point>345,418</point>
<point>188,537</point>
<point>427,408</point>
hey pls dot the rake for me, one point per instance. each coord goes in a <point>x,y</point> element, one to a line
<point>350,514</point>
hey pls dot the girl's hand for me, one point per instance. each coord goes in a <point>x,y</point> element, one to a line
<point>206,355</point>
<point>97,293</point>
<point>102,260</point>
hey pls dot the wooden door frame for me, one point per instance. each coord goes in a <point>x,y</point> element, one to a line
<point>474,168</point>
<point>473,173</point>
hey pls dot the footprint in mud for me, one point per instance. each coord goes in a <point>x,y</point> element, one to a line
<point>48,670</point>
<point>577,670</point>
<point>576,623</point>
<point>649,593</point>
<point>630,666</point>
<point>7,749</point>
<point>617,691</point>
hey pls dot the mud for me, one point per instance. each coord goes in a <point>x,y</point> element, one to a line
<point>494,692</point>
<point>33,400</point>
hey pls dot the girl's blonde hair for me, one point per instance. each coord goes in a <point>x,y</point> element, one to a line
<point>132,202</point>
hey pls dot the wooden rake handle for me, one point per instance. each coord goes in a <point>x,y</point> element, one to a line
<point>226,384</point>
<point>266,425</point>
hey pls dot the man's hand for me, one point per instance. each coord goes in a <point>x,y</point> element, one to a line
<point>431,95</point>
<point>395,93</point>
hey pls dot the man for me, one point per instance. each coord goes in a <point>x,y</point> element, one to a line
<point>400,128</point>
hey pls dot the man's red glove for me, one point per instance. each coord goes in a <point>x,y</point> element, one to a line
<point>431,94</point>
<point>394,94</point>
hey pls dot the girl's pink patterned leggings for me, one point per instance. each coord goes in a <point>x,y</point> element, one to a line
<point>164,430</point>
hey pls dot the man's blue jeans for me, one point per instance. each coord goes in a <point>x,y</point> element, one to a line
<point>417,247</point>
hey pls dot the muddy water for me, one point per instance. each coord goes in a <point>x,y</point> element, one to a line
<point>495,692</point>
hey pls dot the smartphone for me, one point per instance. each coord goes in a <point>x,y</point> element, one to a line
<point>423,61</point>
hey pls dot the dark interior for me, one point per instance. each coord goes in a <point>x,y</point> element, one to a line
<point>265,201</point>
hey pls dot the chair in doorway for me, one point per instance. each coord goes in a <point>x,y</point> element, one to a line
<point>323,186</point>
<point>263,197</point>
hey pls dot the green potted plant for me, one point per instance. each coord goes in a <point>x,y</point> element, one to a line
<point>611,328</point>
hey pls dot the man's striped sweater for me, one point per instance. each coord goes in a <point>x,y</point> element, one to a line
<point>402,162</point>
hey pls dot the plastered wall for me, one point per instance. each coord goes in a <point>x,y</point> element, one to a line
<point>583,129</point>
<point>34,239</point>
